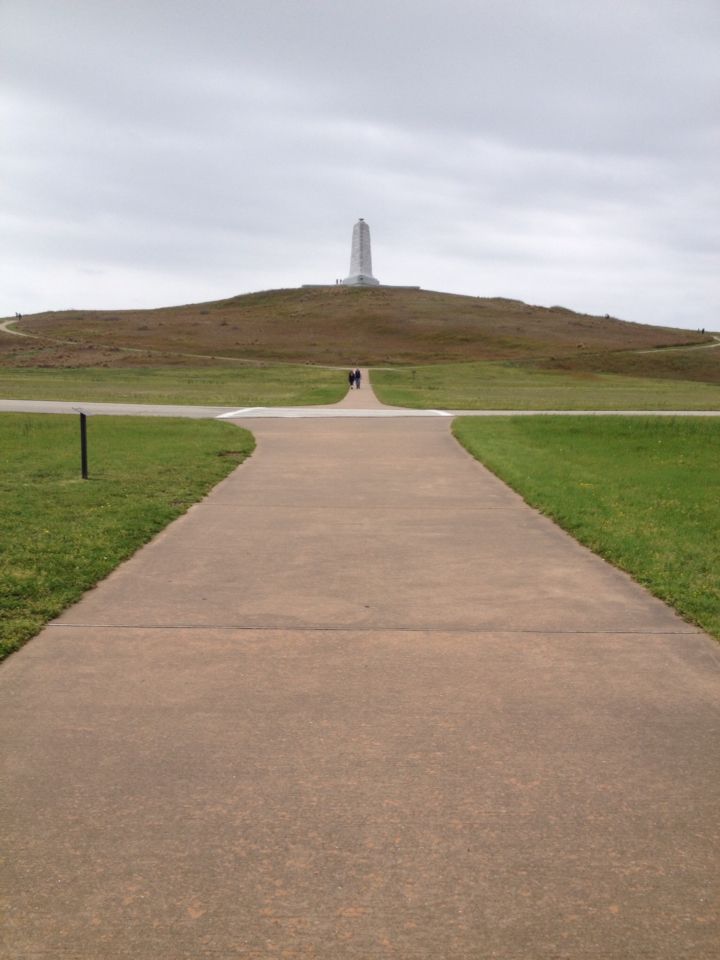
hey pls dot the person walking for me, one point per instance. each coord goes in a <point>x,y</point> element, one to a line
<point>351,379</point>
<point>358,378</point>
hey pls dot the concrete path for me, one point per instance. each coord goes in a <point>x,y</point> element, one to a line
<point>362,702</point>
<point>363,409</point>
<point>113,409</point>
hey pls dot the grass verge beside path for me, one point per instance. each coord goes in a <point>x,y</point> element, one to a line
<point>272,386</point>
<point>507,386</point>
<point>59,534</point>
<point>641,492</point>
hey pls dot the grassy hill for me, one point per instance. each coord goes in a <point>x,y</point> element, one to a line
<point>330,325</point>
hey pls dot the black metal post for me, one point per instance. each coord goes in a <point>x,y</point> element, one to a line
<point>83,445</point>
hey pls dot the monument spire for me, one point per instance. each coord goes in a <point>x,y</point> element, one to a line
<point>361,258</point>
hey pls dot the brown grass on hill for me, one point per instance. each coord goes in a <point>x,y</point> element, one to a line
<point>40,352</point>
<point>336,325</point>
<point>697,363</point>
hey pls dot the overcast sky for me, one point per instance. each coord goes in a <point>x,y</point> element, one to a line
<point>157,153</point>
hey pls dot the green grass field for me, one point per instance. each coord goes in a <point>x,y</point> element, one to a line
<point>508,386</point>
<point>641,492</point>
<point>274,386</point>
<point>60,534</point>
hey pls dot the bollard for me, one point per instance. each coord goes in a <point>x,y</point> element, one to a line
<point>83,445</point>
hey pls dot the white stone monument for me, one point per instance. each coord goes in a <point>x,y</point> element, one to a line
<point>361,258</point>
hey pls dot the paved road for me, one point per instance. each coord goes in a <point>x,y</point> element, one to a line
<point>365,408</point>
<point>112,409</point>
<point>362,702</point>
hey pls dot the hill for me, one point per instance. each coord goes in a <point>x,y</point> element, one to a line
<point>330,325</point>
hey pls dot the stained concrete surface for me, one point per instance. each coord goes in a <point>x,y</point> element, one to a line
<point>362,702</point>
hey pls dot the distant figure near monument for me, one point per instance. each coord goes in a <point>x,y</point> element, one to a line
<point>361,258</point>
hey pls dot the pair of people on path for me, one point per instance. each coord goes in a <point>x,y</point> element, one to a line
<point>354,378</point>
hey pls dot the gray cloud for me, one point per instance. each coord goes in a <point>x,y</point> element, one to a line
<point>172,151</point>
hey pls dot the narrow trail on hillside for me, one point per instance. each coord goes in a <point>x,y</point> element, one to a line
<point>690,346</point>
<point>6,327</point>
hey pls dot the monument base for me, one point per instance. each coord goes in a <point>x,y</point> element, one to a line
<point>360,280</point>
<point>332,286</point>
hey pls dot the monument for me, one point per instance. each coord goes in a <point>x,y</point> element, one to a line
<point>361,258</point>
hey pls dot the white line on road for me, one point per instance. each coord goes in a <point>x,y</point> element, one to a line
<point>238,413</point>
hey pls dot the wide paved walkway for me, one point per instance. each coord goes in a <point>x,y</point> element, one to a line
<point>362,702</point>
